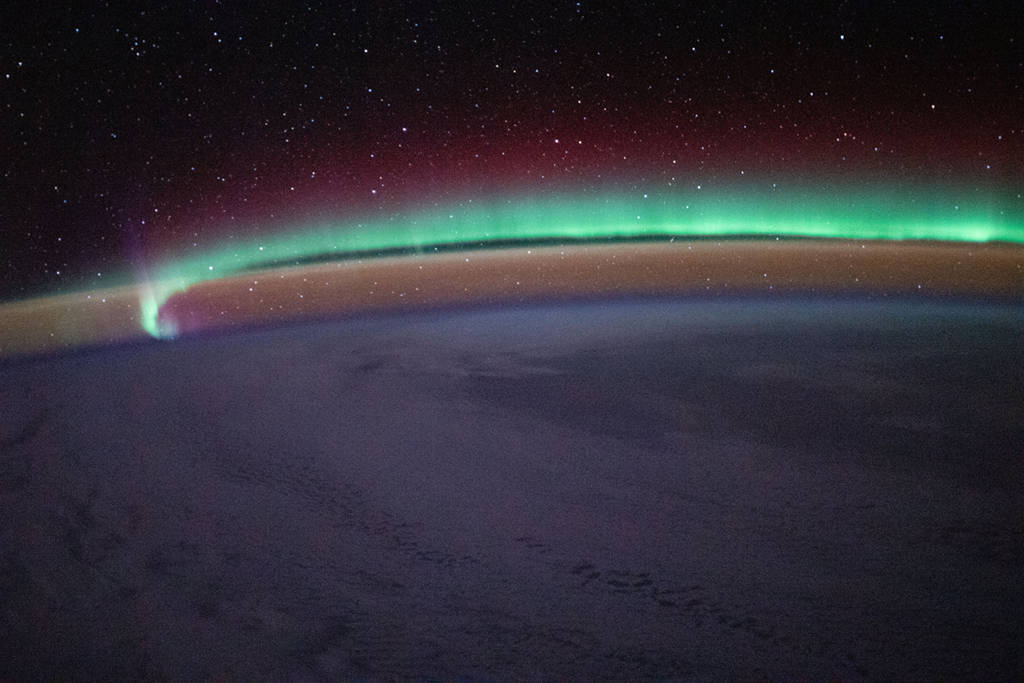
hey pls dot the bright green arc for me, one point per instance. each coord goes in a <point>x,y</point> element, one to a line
<point>887,215</point>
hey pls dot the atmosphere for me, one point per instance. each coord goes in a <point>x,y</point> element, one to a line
<point>863,215</point>
<point>130,137</point>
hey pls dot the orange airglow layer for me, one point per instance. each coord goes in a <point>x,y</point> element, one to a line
<point>507,276</point>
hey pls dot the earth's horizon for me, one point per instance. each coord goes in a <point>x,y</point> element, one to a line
<point>209,300</point>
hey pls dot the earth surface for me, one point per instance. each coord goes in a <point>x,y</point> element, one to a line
<point>756,488</point>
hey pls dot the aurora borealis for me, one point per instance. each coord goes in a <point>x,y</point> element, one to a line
<point>858,216</point>
<point>165,148</point>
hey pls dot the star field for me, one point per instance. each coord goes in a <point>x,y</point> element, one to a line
<point>129,134</point>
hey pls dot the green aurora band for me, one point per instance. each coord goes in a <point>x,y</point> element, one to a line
<point>868,215</point>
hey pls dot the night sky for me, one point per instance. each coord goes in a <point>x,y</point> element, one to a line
<point>129,133</point>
